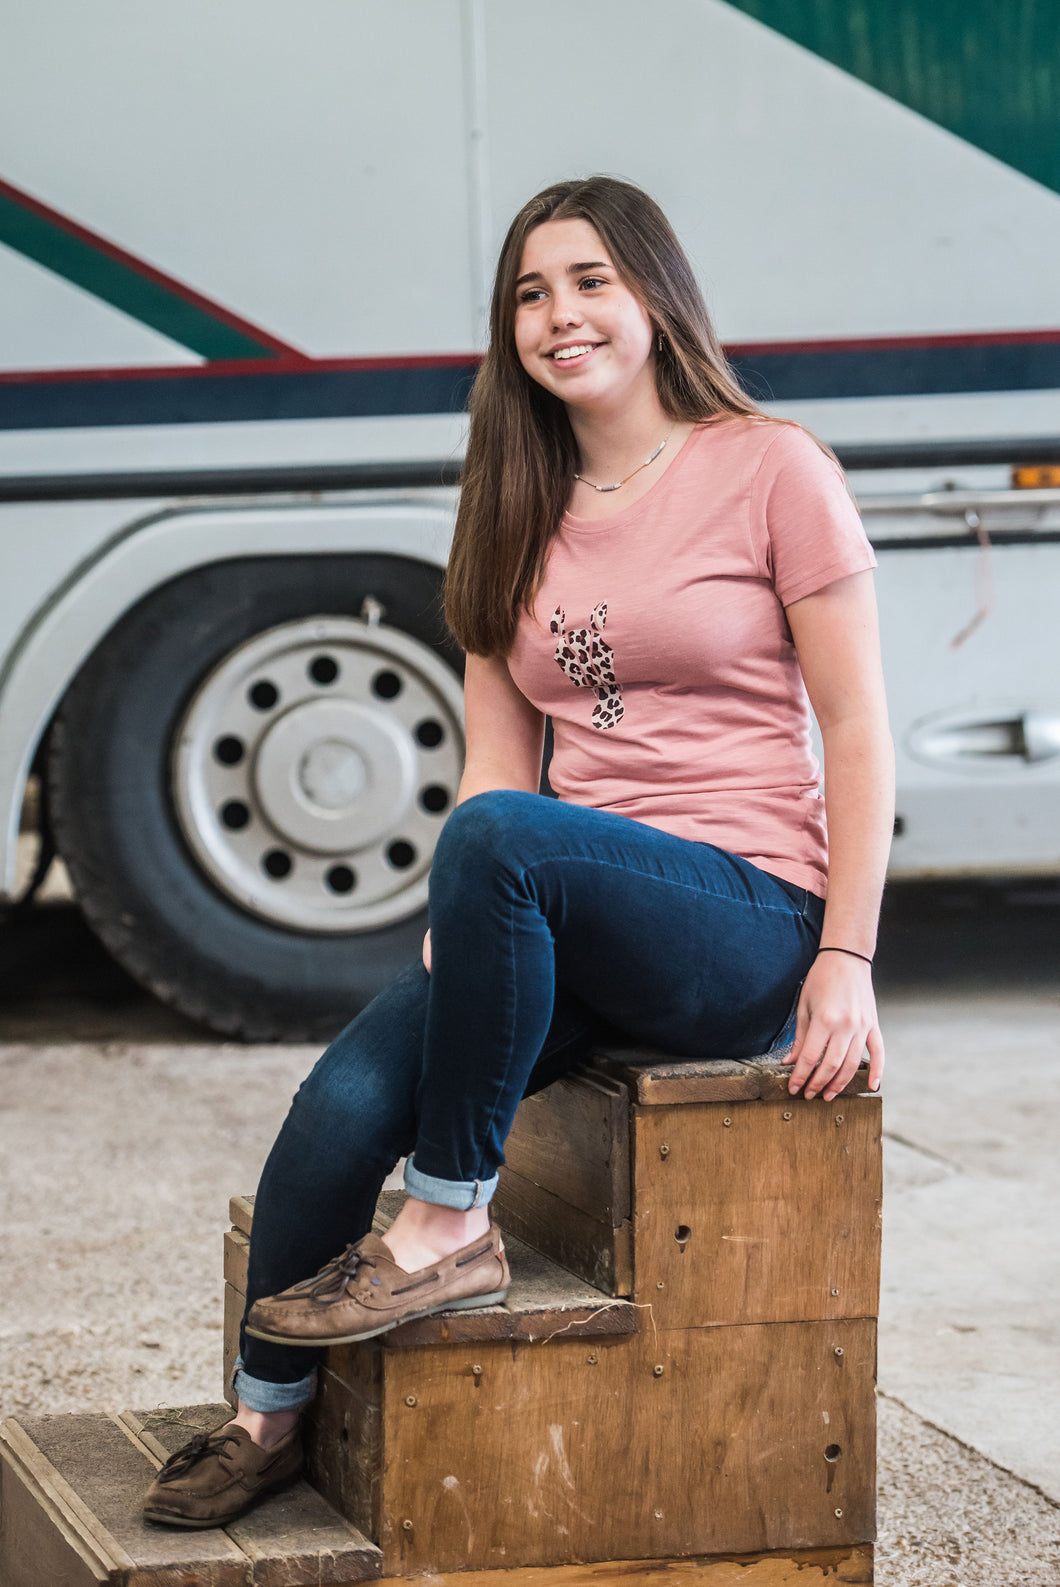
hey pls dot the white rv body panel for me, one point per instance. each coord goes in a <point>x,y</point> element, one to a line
<point>340,176</point>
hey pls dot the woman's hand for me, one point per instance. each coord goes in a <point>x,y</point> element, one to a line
<point>836,1021</point>
<point>427,951</point>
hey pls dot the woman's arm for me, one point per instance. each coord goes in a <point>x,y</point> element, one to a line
<point>505,733</point>
<point>837,640</point>
<point>505,737</point>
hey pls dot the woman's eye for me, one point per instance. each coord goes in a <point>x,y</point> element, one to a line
<point>530,295</point>
<point>592,281</point>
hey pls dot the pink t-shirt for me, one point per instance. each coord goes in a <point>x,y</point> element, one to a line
<point>660,648</point>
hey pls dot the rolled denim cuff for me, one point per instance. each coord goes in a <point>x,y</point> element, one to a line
<point>463,1194</point>
<point>257,1394</point>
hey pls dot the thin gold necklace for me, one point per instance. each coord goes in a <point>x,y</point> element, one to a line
<point>619,483</point>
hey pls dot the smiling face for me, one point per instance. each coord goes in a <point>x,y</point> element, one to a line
<point>579,330</point>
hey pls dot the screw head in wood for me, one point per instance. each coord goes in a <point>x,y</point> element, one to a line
<point>477,1370</point>
<point>835,1292</point>
<point>410,1399</point>
<point>658,1369</point>
<point>591,1360</point>
<point>406,1526</point>
<point>660,1284</point>
<point>838,1350</point>
<point>787,1114</point>
<point>658,1515</point>
<point>664,1150</point>
<point>838,1510</point>
<point>839,1118</point>
<point>726,1122</point>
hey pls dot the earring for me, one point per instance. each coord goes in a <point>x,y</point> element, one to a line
<point>660,339</point>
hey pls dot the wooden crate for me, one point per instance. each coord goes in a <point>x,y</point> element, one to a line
<point>71,1491</point>
<point>739,1418</point>
<point>71,1487</point>
<point>718,1198</point>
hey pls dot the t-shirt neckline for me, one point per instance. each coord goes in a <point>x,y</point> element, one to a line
<point>618,520</point>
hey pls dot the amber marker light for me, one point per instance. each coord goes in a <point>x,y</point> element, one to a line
<point>1037,476</point>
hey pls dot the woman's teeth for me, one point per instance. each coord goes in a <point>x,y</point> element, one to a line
<point>573,352</point>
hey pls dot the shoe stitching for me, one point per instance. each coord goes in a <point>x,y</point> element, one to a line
<point>474,1255</point>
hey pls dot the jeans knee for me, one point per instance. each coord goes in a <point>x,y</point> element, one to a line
<point>485,830</point>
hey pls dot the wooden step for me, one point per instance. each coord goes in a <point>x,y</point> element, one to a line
<point>702,1187</point>
<point>71,1490</point>
<point>71,1487</point>
<point>544,1297</point>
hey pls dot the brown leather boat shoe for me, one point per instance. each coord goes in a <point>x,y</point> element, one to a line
<point>363,1292</point>
<point>218,1475</point>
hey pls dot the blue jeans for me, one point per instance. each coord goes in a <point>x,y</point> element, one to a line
<point>554,928</point>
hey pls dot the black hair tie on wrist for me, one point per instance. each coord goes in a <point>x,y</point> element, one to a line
<point>852,951</point>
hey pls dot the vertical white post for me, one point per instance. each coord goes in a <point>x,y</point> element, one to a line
<point>478,175</point>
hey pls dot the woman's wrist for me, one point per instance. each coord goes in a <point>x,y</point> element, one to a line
<point>832,947</point>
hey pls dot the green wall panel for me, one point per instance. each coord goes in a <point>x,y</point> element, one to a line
<point>988,70</point>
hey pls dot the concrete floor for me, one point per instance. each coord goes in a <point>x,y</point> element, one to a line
<point>123,1131</point>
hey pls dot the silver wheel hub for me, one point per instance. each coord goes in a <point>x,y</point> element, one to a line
<point>314,768</point>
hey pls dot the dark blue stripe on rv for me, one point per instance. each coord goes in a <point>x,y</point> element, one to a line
<point>900,371</point>
<point>355,393</point>
<point>217,398</point>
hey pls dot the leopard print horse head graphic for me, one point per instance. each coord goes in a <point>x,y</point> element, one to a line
<point>588,661</point>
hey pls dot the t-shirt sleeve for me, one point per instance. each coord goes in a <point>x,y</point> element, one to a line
<point>804,518</point>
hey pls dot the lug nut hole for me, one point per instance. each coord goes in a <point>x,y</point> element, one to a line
<point>323,669</point>
<point>263,695</point>
<point>235,815</point>
<point>387,685</point>
<point>278,864</point>
<point>401,855</point>
<point>435,798</point>
<point>341,879</point>
<point>429,733</point>
<point>229,750</point>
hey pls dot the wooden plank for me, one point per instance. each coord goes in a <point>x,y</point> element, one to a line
<point>596,1251</point>
<point>816,1567</point>
<point>241,1212</point>
<point>161,1432</point>
<point>42,1541</point>
<point>544,1300</point>
<point>773,1075</point>
<point>594,1453</point>
<point>295,1539</point>
<point>102,1477</point>
<point>572,1139</point>
<point>758,1211</point>
<point>234,1303</point>
<point>344,1435</point>
<point>653,1080</point>
<point>236,1256</point>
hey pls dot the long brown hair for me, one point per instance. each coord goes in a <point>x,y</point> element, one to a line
<point>521,453</point>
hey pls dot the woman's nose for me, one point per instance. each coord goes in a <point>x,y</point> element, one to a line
<point>565,310</point>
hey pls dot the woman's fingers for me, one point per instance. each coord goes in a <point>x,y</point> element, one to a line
<point>427,952</point>
<point>874,1043</point>
<point>811,1058</point>
<point>847,1069</point>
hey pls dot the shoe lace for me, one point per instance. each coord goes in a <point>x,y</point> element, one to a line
<point>335,1278</point>
<point>199,1448</point>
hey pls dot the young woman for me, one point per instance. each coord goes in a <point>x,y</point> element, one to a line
<point>644,556</point>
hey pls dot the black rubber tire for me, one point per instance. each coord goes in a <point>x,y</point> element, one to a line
<point>141,889</point>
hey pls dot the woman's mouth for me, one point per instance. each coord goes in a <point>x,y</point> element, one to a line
<point>576,353</point>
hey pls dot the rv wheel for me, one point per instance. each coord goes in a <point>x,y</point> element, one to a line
<point>248,778</point>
